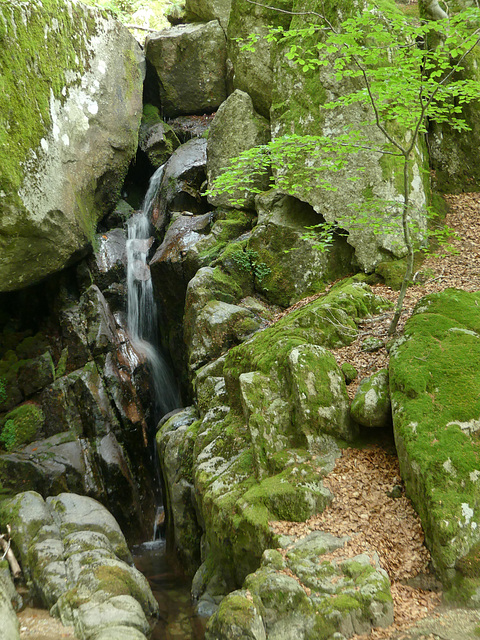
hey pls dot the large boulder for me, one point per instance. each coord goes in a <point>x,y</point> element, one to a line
<point>76,561</point>
<point>75,77</point>
<point>236,128</point>
<point>434,379</point>
<point>252,70</point>
<point>362,206</point>
<point>190,62</point>
<point>206,10</point>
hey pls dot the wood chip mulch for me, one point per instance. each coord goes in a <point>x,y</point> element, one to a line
<point>362,479</point>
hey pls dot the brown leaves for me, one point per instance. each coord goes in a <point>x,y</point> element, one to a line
<point>380,526</point>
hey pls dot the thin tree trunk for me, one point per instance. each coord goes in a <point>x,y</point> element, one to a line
<point>408,241</point>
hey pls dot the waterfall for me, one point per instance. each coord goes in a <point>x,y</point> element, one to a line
<point>141,306</point>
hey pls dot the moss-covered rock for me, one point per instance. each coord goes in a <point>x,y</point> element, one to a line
<point>371,405</point>
<point>21,425</point>
<point>73,76</point>
<point>261,447</point>
<point>434,376</point>
<point>296,592</point>
<point>156,138</point>
<point>357,206</point>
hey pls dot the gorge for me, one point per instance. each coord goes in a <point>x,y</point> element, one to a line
<point>154,331</point>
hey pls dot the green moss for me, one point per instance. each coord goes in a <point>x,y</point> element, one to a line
<point>434,380</point>
<point>42,63</point>
<point>118,581</point>
<point>469,565</point>
<point>21,425</point>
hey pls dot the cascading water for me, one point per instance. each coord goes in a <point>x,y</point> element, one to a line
<point>142,318</point>
<point>141,306</point>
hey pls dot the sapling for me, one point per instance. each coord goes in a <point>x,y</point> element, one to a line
<point>404,70</point>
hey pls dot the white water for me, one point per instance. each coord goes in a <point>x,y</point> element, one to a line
<point>141,306</point>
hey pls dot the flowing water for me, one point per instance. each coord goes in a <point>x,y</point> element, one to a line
<point>169,584</point>
<point>142,315</point>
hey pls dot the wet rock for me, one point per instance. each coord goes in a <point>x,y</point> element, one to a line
<point>183,176</point>
<point>109,262</point>
<point>175,440</point>
<point>190,64</point>
<point>63,172</point>
<point>371,405</point>
<point>236,128</point>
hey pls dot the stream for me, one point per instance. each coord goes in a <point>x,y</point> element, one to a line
<point>171,588</point>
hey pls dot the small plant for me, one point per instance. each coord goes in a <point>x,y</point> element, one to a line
<point>248,261</point>
<point>3,390</point>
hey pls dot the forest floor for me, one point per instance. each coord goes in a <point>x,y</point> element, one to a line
<point>363,480</point>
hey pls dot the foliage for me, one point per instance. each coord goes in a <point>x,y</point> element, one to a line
<point>148,14</point>
<point>404,71</point>
<point>3,391</point>
<point>21,425</point>
<point>248,261</point>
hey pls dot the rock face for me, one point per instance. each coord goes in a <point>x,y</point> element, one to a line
<point>434,381</point>
<point>253,70</point>
<point>9,626</point>
<point>76,560</point>
<point>453,154</point>
<point>75,399</point>
<point>67,144</point>
<point>190,62</point>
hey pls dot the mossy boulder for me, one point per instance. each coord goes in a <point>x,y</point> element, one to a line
<point>371,405</point>
<point>21,425</point>
<point>297,592</point>
<point>156,138</point>
<point>75,78</point>
<point>434,377</point>
<point>357,206</point>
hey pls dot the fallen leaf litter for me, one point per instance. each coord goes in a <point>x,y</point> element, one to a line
<point>362,509</point>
